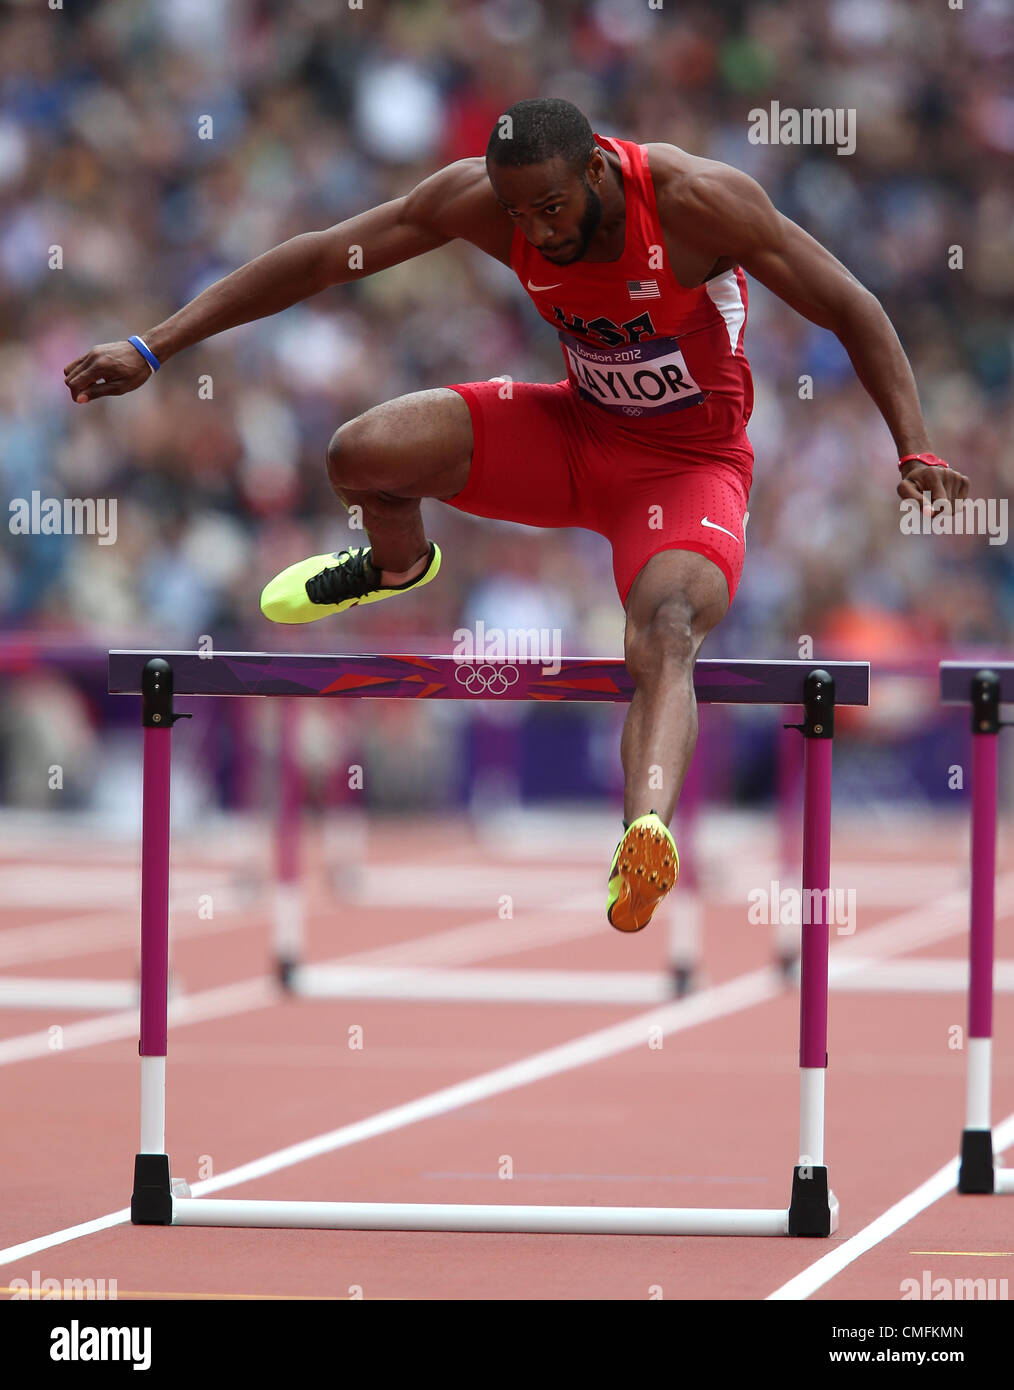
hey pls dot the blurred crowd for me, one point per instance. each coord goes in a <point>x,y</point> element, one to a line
<point>319,110</point>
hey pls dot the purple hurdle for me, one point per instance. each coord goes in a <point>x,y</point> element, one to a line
<point>150,1201</point>
<point>812,1209</point>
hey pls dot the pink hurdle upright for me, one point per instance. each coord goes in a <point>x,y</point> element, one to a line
<point>157,677</point>
<point>983,689</point>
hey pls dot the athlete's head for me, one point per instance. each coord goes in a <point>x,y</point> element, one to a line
<point>544,165</point>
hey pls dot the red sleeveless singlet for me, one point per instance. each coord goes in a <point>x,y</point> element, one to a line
<point>637,344</point>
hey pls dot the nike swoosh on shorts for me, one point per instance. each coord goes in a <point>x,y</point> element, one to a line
<point>715,526</point>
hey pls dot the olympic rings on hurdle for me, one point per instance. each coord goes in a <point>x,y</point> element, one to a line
<point>487,679</point>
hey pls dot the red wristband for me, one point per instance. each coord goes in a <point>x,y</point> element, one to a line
<point>930,459</point>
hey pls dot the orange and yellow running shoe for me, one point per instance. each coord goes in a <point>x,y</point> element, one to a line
<point>645,867</point>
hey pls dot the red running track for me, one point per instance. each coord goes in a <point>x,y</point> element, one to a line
<point>707,1119</point>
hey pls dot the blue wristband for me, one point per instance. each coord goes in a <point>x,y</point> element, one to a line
<point>146,353</point>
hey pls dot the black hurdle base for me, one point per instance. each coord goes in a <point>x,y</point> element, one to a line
<point>976,1171</point>
<point>810,1204</point>
<point>684,980</point>
<point>787,965</point>
<point>151,1203</point>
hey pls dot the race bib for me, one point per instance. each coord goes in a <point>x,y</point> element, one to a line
<point>633,379</point>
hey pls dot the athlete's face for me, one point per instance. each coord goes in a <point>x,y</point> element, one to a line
<point>556,207</point>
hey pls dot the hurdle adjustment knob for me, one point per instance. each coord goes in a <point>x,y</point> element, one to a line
<point>985,702</point>
<point>157,695</point>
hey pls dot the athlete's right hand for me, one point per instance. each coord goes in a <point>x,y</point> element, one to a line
<point>111,369</point>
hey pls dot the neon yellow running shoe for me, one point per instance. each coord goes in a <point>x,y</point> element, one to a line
<point>327,584</point>
<point>644,868</point>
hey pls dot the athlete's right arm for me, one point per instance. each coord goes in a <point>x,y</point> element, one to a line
<point>456,201</point>
<point>450,203</point>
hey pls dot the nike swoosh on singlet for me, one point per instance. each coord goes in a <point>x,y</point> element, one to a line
<point>536,288</point>
<point>716,527</point>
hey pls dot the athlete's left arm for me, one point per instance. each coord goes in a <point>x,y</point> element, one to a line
<point>724,211</point>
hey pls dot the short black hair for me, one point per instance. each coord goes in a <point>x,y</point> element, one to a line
<point>530,132</point>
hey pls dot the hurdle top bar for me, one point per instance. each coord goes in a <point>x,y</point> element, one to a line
<point>452,678</point>
<point>956,680</point>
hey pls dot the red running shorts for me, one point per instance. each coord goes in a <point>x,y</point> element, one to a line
<point>543,457</point>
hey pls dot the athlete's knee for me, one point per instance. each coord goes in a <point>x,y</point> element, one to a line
<point>664,639</point>
<point>416,446</point>
<point>359,454</point>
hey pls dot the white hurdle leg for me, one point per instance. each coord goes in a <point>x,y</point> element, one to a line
<point>289,931</point>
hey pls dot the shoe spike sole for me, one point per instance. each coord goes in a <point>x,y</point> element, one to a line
<point>648,869</point>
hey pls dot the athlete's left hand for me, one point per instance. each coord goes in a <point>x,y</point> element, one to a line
<point>918,478</point>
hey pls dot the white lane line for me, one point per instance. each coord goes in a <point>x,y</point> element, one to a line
<point>922,925</point>
<point>879,884</point>
<point>487,938</point>
<point>906,931</point>
<point>66,936</point>
<point>471,885</point>
<point>86,1228</point>
<point>939,1185</point>
<point>744,992</point>
<point>932,921</point>
<point>471,942</point>
<point>474,941</point>
<point>101,887</point>
<point>483,940</point>
<point>75,885</point>
<point>94,932</point>
<point>189,1008</point>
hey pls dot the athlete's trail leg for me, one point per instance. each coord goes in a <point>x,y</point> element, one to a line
<point>388,458</point>
<point>675,601</point>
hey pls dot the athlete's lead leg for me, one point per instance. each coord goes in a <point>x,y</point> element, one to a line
<point>384,461</point>
<point>387,459</point>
